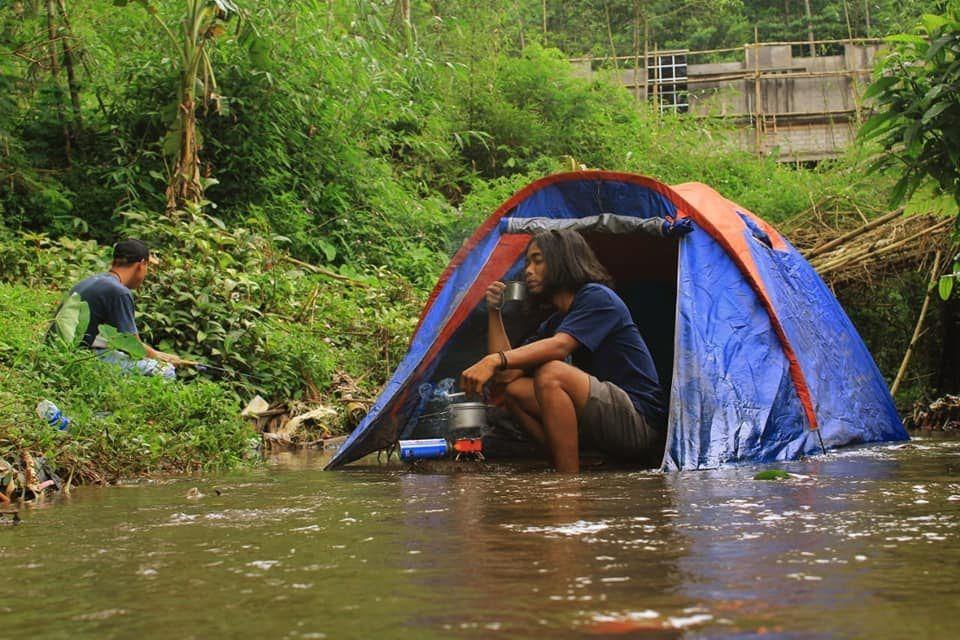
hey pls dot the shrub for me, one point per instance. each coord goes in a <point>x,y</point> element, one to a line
<point>121,425</point>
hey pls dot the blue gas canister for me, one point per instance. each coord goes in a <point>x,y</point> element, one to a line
<point>424,449</point>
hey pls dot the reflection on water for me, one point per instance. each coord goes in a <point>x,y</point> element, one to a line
<point>862,543</point>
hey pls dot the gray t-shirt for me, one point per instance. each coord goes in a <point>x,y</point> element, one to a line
<point>110,303</point>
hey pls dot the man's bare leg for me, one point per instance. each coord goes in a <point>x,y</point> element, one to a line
<point>521,401</point>
<point>561,390</point>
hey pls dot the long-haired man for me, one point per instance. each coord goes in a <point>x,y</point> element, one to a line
<point>609,397</point>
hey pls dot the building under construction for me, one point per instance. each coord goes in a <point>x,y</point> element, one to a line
<point>787,103</point>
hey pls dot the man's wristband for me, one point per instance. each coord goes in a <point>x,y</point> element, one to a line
<point>503,360</point>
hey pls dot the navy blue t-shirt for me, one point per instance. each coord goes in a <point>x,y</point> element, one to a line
<point>612,349</point>
<point>110,303</point>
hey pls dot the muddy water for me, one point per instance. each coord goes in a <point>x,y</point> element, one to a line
<point>866,544</point>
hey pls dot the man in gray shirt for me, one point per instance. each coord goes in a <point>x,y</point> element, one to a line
<point>111,302</point>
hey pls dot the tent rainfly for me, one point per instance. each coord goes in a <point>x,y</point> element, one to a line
<point>760,361</point>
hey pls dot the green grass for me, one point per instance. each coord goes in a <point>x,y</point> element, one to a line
<point>122,425</point>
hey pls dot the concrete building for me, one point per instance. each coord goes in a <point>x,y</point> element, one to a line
<point>796,108</point>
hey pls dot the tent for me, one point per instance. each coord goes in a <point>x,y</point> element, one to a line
<point>760,361</point>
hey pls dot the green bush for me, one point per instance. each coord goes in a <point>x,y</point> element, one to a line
<point>121,425</point>
<point>232,298</point>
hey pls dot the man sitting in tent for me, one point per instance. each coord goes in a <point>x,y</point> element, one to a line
<point>610,397</point>
<point>110,302</point>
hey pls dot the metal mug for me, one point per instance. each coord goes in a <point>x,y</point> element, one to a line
<point>516,290</point>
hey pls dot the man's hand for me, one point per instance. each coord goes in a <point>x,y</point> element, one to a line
<point>169,358</point>
<point>473,379</point>
<point>673,228</point>
<point>495,295</point>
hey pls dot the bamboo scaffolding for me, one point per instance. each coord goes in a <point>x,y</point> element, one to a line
<point>695,52</point>
<point>757,94</point>
<point>779,114</point>
<point>892,243</point>
<point>755,109</point>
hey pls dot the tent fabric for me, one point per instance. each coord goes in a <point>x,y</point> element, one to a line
<point>604,223</point>
<point>766,365</point>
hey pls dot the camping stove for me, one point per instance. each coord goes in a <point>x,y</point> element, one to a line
<point>468,448</point>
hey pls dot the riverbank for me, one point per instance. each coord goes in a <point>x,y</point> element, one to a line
<point>340,169</point>
<point>302,337</point>
<point>121,426</point>
<point>328,342</point>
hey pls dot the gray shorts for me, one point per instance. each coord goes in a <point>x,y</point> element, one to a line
<point>611,424</point>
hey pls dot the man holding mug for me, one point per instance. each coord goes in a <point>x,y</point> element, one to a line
<point>610,397</point>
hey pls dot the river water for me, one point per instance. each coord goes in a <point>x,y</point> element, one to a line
<point>865,543</point>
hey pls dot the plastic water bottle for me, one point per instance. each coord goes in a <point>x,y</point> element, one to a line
<point>50,413</point>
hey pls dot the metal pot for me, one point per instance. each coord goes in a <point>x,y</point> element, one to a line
<point>468,415</point>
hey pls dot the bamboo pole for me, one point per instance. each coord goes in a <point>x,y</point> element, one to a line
<point>543,7</point>
<point>934,276</point>
<point>813,50</point>
<point>781,114</point>
<point>740,48</point>
<point>613,49</point>
<point>757,95</point>
<point>656,78</point>
<point>636,49</point>
<point>872,251</point>
<point>52,39</point>
<point>326,272</point>
<point>780,76</point>
<point>853,234</point>
<point>66,45</point>
<point>646,58</point>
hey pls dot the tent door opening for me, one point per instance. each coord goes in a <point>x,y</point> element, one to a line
<point>644,270</point>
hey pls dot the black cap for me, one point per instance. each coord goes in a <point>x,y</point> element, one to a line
<point>130,250</point>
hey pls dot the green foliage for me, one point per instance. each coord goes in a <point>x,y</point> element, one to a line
<point>191,37</point>
<point>772,474</point>
<point>121,425</point>
<point>38,260</point>
<point>125,342</point>
<point>917,123</point>
<point>351,159</point>
<point>71,321</point>
<point>948,281</point>
<point>232,299</point>
<point>353,146</point>
<point>885,317</point>
<point>210,290</point>
<point>580,28</point>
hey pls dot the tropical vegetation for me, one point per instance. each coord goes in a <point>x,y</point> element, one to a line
<point>304,170</point>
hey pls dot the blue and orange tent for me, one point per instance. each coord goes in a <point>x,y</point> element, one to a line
<point>760,361</point>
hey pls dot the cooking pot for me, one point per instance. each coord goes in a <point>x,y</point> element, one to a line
<point>468,416</point>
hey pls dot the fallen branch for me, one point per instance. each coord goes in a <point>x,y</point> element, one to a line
<point>941,414</point>
<point>327,272</point>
